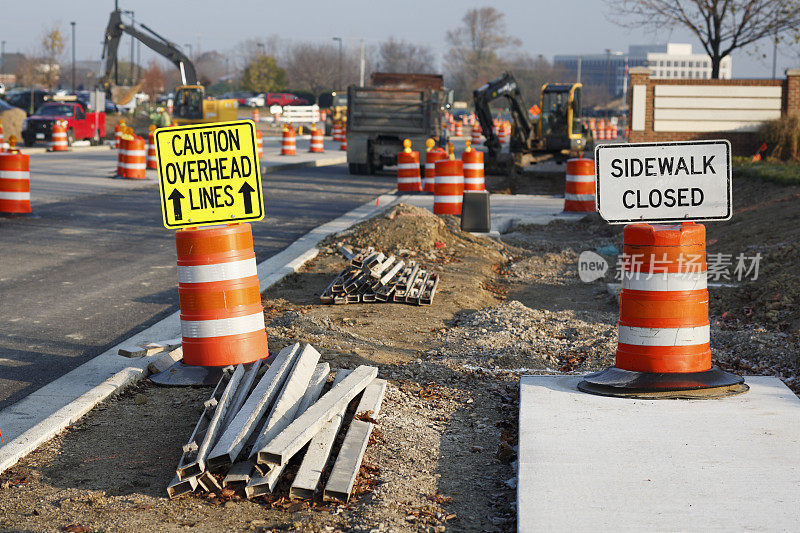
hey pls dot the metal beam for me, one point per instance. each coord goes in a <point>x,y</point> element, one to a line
<point>319,451</point>
<point>178,487</point>
<point>303,429</point>
<point>245,422</point>
<point>348,462</point>
<point>266,482</point>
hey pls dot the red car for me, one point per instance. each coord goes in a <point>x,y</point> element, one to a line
<point>80,124</point>
<point>284,99</point>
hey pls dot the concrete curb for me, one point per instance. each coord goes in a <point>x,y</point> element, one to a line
<point>337,160</point>
<point>41,150</point>
<point>44,413</point>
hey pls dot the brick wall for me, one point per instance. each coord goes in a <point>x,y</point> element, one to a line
<point>741,142</point>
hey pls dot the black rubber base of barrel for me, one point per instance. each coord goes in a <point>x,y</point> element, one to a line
<point>182,375</point>
<point>713,383</point>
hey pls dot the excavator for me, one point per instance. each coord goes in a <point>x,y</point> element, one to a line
<point>557,133</point>
<point>191,106</point>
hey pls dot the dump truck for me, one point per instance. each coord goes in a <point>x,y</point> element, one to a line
<point>395,107</point>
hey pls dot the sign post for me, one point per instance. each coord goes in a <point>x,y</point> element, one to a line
<point>209,174</point>
<point>663,348</point>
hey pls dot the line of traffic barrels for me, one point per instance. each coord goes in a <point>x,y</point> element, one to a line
<point>15,189</point>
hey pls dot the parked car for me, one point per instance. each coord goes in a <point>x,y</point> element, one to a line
<point>258,100</point>
<point>241,97</point>
<point>21,98</point>
<point>284,99</point>
<point>80,124</point>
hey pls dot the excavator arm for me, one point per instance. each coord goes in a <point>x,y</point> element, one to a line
<point>523,131</point>
<point>116,27</point>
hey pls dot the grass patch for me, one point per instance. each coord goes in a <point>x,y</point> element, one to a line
<point>783,173</point>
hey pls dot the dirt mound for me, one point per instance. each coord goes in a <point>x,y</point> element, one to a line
<point>403,228</point>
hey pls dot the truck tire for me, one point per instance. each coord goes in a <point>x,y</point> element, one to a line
<point>353,168</point>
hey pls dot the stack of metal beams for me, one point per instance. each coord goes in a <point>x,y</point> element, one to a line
<point>373,277</point>
<point>260,418</point>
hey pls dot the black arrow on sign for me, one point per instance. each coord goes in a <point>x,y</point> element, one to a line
<point>176,198</point>
<point>246,191</point>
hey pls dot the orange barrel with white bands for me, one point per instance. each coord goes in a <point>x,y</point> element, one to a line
<point>343,146</point>
<point>580,188</point>
<point>255,115</point>
<point>448,187</point>
<point>317,142</point>
<point>475,137</point>
<point>59,140</point>
<point>288,145</point>
<point>337,133</point>
<point>152,158</point>
<point>134,159</point>
<point>15,183</point>
<point>408,178</point>
<point>663,315</point>
<point>473,170</point>
<point>117,135</point>
<point>222,320</point>
<point>122,149</point>
<point>260,144</point>
<point>431,157</point>
<point>459,129</point>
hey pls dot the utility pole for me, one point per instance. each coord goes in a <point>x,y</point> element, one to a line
<point>339,75</point>
<point>775,56</point>
<point>116,63</point>
<point>608,71</point>
<point>580,64</point>
<point>363,63</point>
<point>73,56</point>
<point>2,57</point>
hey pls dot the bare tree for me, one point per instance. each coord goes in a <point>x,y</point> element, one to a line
<point>405,57</point>
<point>153,80</point>
<point>248,50</point>
<point>531,72</point>
<point>53,44</point>
<point>721,25</point>
<point>474,46</point>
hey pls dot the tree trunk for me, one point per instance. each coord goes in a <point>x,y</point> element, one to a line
<point>715,63</point>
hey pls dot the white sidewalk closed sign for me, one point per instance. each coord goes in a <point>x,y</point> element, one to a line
<point>663,182</point>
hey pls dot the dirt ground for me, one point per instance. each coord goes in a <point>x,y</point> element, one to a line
<point>444,456</point>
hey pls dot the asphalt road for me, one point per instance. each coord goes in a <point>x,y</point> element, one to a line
<point>96,265</point>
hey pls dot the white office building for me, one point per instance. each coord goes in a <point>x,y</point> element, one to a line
<point>677,61</point>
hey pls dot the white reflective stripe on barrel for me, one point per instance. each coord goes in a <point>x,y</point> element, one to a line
<point>133,166</point>
<point>473,181</point>
<point>136,153</point>
<point>407,166</point>
<point>664,281</point>
<point>664,336</point>
<point>200,329</point>
<point>446,180</point>
<point>579,197</point>
<point>15,174</point>
<point>15,195</point>
<point>447,199</point>
<point>578,178</point>
<point>217,272</point>
<point>473,166</point>
<point>408,180</point>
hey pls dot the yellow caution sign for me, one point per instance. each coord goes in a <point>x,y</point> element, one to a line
<point>209,174</point>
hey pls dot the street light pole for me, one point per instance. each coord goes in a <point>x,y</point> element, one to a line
<point>774,56</point>
<point>2,57</point>
<point>339,76</point>
<point>73,56</point>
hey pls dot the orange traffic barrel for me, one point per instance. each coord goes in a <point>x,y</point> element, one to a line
<point>664,332</point>
<point>222,320</point>
<point>134,157</point>
<point>337,132</point>
<point>473,169</point>
<point>152,158</point>
<point>343,146</point>
<point>255,115</point>
<point>260,144</point>
<point>580,189</point>
<point>122,149</point>
<point>317,143</point>
<point>15,190</point>
<point>118,130</point>
<point>288,145</point>
<point>448,187</point>
<point>459,129</point>
<point>408,178</point>
<point>59,138</point>
<point>475,136</point>
<point>431,157</point>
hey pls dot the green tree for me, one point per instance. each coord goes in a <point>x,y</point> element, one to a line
<point>53,45</point>
<point>263,75</point>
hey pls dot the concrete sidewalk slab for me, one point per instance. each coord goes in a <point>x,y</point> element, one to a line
<point>508,210</point>
<point>593,463</point>
<point>43,414</point>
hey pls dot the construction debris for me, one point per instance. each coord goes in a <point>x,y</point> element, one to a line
<point>373,277</point>
<point>253,434</point>
<point>149,348</point>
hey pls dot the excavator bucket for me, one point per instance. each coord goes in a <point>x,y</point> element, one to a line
<point>122,94</point>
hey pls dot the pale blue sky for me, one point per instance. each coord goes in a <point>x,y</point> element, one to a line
<point>544,26</point>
